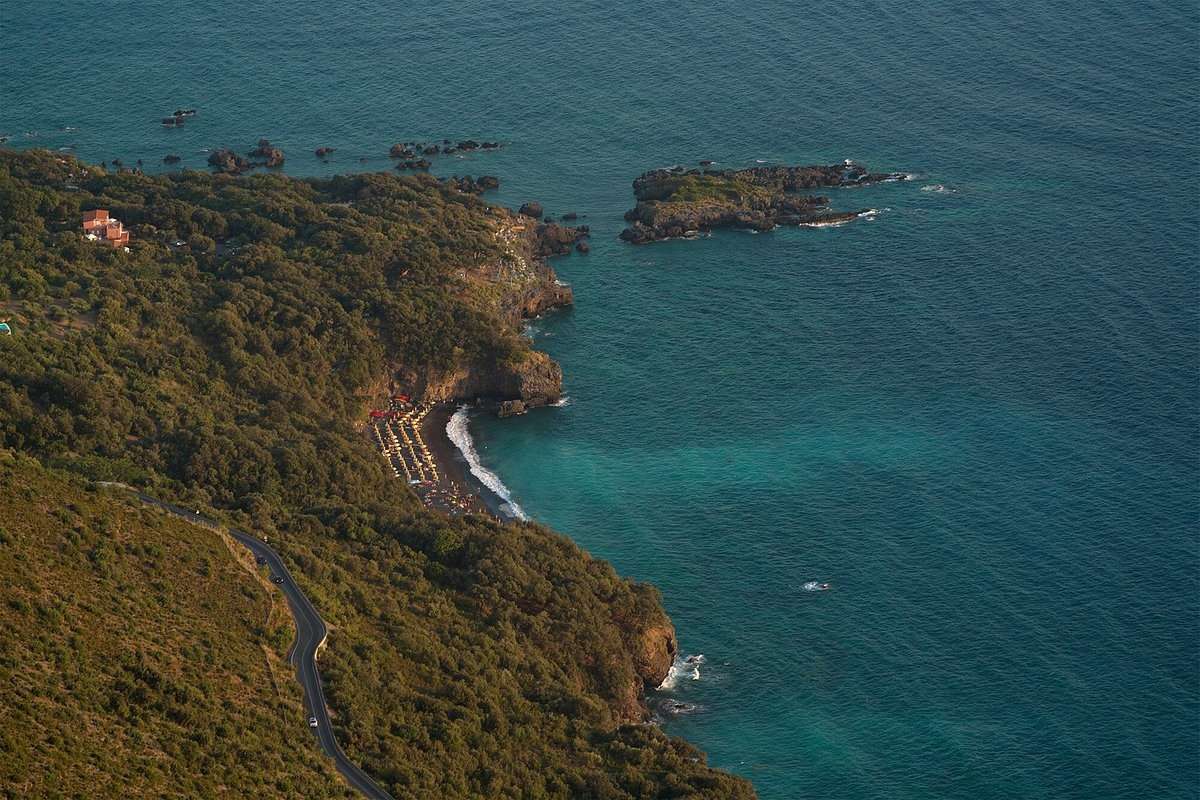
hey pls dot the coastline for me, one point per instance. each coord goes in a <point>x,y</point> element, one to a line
<point>454,468</point>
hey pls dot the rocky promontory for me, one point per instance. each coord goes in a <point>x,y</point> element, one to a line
<point>678,202</point>
<point>518,284</point>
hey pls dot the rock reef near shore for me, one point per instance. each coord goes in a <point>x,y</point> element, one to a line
<point>675,203</point>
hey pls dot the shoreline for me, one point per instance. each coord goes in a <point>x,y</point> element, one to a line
<point>453,466</point>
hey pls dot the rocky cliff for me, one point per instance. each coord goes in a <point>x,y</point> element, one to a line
<point>534,380</point>
<point>673,203</point>
<point>652,649</point>
<point>516,285</point>
<point>655,652</point>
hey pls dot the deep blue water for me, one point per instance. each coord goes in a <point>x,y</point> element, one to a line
<point>977,416</point>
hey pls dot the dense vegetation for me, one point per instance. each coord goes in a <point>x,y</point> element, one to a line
<point>140,658</point>
<point>676,202</point>
<point>226,361</point>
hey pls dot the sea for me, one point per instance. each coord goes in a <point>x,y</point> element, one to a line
<point>975,415</point>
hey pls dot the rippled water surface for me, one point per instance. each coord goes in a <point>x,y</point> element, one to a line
<point>976,416</point>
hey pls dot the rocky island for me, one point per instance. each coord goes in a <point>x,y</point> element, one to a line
<point>677,202</point>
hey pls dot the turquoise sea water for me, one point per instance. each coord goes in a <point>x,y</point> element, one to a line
<point>977,416</point>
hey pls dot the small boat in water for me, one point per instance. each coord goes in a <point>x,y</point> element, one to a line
<point>816,586</point>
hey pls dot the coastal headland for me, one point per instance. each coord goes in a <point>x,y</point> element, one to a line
<point>678,203</point>
<point>227,360</point>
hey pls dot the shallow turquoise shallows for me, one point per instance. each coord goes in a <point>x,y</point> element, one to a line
<point>976,415</point>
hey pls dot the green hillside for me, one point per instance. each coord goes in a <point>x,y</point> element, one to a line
<point>141,656</point>
<point>226,362</point>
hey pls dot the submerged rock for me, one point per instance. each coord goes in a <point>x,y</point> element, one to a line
<point>322,152</point>
<point>474,185</point>
<point>272,156</point>
<point>419,163</point>
<point>225,160</point>
<point>531,209</point>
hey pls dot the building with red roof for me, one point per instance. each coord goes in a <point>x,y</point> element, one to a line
<point>98,226</point>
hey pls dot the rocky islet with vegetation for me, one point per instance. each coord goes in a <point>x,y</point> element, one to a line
<point>677,202</point>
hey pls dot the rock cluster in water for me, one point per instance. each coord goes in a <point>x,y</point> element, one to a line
<point>413,155</point>
<point>678,202</point>
<point>272,156</point>
<point>177,119</point>
<point>469,185</point>
<point>230,162</point>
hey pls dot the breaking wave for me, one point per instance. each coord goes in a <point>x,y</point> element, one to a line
<point>456,431</point>
<point>682,667</point>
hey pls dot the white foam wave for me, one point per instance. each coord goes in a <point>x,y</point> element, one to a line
<point>682,667</point>
<point>562,401</point>
<point>837,223</point>
<point>457,432</point>
<point>939,188</point>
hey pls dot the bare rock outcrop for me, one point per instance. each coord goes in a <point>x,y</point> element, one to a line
<point>226,160</point>
<point>271,156</point>
<point>535,380</point>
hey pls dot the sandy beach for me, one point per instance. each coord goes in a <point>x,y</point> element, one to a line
<point>416,442</point>
<point>456,479</point>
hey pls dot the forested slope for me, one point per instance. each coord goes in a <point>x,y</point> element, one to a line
<point>225,362</point>
<point>141,656</point>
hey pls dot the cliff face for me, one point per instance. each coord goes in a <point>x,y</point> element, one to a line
<point>652,651</point>
<point>676,202</point>
<point>655,652</point>
<point>541,297</point>
<point>535,381</point>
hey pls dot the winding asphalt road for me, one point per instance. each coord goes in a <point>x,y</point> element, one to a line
<point>310,635</point>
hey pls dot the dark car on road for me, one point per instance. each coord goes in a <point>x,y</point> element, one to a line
<point>276,579</point>
<point>260,561</point>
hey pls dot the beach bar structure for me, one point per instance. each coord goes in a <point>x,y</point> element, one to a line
<point>99,226</point>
